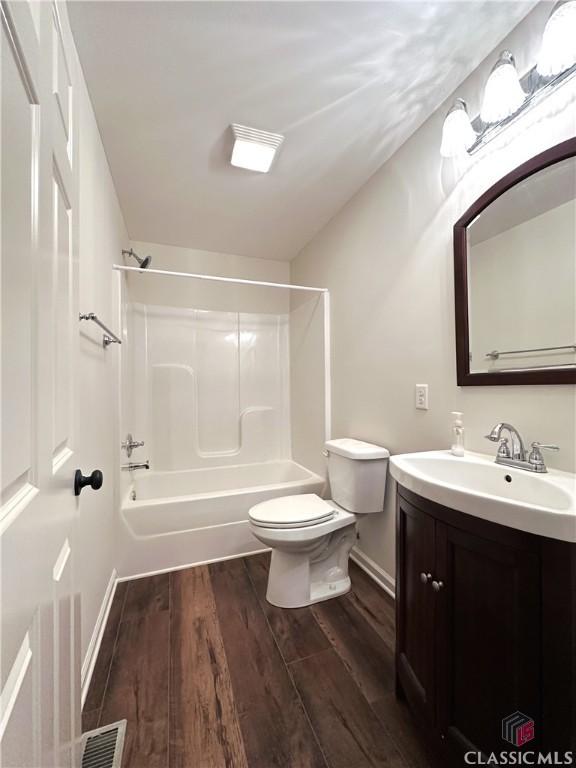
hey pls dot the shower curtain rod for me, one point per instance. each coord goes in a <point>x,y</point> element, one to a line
<point>215,278</point>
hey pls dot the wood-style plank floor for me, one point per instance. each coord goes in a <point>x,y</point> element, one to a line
<point>210,675</point>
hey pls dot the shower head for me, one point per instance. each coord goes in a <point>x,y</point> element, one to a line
<point>144,263</point>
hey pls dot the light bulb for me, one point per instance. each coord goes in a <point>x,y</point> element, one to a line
<point>558,51</point>
<point>503,94</point>
<point>457,132</point>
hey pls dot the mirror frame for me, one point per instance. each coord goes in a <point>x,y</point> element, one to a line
<point>465,378</point>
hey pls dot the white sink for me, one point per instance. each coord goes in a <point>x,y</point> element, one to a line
<point>544,504</point>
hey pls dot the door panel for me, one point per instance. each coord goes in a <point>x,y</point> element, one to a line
<point>415,606</point>
<point>20,145</point>
<point>64,672</point>
<point>62,313</point>
<point>61,83</point>
<point>18,707</point>
<point>39,656</point>
<point>488,615</point>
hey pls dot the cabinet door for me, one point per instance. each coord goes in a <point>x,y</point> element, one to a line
<point>415,607</point>
<point>488,625</point>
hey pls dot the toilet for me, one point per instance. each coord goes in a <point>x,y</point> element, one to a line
<point>310,537</point>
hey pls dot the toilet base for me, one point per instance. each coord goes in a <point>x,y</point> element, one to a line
<point>321,591</point>
<point>298,579</point>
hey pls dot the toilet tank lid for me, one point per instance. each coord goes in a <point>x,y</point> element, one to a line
<point>356,449</point>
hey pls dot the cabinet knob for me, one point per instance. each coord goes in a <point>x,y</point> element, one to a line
<point>437,586</point>
<point>425,577</point>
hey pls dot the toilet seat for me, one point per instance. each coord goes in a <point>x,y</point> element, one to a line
<point>297,511</point>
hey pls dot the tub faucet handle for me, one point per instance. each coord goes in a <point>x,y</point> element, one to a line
<point>129,444</point>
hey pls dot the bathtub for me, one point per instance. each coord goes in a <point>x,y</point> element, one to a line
<point>175,519</point>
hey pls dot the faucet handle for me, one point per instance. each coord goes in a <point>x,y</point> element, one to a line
<point>536,459</point>
<point>504,449</point>
<point>538,445</point>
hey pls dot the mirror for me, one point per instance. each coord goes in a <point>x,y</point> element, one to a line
<point>515,276</point>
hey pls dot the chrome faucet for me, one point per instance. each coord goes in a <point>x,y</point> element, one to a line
<point>129,467</point>
<point>512,453</point>
<point>517,451</point>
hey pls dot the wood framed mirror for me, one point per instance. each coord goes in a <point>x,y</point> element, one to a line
<point>515,276</point>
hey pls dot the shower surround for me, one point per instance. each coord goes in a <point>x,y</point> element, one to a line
<point>209,394</point>
<point>210,388</point>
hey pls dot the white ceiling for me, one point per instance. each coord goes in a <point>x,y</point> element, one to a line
<point>345,82</point>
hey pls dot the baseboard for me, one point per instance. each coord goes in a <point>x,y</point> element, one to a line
<point>380,576</point>
<point>191,565</point>
<point>96,639</point>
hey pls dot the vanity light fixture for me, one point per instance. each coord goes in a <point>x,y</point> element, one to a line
<point>254,149</point>
<point>507,95</point>
<point>457,132</point>
<point>558,51</point>
<point>503,94</point>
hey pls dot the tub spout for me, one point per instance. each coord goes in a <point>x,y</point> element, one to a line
<point>130,467</point>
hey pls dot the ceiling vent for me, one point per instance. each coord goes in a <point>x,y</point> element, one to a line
<point>254,149</point>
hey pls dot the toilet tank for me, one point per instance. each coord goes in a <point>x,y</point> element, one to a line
<point>357,473</point>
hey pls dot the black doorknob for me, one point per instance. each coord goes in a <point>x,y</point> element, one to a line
<point>94,480</point>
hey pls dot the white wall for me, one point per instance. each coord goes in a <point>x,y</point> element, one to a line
<point>387,259</point>
<point>102,235</point>
<point>201,294</point>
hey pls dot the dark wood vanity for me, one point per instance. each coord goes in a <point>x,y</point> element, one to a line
<point>486,619</point>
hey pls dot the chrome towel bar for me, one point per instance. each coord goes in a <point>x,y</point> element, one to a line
<point>108,337</point>
<point>495,354</point>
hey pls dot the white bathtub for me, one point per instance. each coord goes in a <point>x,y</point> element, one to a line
<point>193,516</point>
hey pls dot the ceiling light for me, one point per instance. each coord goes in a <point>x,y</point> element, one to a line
<point>254,149</point>
<point>558,51</point>
<point>457,132</point>
<point>503,94</point>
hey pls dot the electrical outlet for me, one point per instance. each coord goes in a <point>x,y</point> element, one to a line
<point>422,397</point>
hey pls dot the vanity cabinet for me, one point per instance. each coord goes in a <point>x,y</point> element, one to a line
<point>486,627</point>
<point>415,608</point>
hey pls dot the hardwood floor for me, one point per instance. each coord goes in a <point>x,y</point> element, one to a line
<point>210,675</point>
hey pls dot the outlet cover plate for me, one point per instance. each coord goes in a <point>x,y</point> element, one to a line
<point>421,397</point>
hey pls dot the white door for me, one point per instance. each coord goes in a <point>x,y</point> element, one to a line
<point>39,601</point>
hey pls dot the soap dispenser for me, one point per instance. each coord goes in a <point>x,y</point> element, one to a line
<point>457,434</point>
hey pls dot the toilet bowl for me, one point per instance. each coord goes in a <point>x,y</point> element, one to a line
<point>311,538</point>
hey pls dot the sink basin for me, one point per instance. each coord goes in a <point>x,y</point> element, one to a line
<point>544,504</point>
